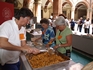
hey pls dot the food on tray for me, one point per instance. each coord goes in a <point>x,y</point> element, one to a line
<point>43,59</point>
<point>33,39</point>
<point>50,43</point>
<point>51,51</point>
<point>36,44</point>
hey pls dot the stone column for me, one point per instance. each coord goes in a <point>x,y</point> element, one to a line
<point>68,13</point>
<point>30,4</point>
<point>87,13</point>
<point>57,7</point>
<point>38,10</point>
<point>90,14</point>
<point>72,12</point>
<point>90,17</point>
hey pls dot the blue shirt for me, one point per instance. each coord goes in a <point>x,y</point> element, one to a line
<point>49,34</point>
<point>72,23</point>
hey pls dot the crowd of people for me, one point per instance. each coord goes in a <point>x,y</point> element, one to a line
<point>13,38</point>
<point>80,25</point>
<point>84,25</point>
<point>56,33</point>
<point>58,37</point>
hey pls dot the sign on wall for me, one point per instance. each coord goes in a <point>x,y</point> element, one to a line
<point>6,11</point>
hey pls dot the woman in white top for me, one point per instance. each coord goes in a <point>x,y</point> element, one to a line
<point>87,25</point>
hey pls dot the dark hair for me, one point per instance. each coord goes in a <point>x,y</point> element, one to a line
<point>44,20</point>
<point>87,19</point>
<point>62,15</point>
<point>24,12</point>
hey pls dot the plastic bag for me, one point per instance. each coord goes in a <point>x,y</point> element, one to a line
<point>76,66</point>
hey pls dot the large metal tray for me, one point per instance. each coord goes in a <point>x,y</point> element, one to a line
<point>64,64</point>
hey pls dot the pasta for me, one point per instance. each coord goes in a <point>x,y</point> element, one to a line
<point>44,59</point>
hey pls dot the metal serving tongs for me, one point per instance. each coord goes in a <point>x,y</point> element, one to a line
<point>49,50</point>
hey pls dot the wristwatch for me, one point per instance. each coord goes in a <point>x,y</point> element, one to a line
<point>59,45</point>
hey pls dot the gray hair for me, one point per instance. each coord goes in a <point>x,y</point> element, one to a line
<point>60,21</point>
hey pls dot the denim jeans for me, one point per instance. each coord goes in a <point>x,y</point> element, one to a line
<point>15,66</point>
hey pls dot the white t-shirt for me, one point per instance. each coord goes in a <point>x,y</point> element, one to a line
<point>9,29</point>
<point>53,24</point>
<point>87,24</point>
<point>67,22</point>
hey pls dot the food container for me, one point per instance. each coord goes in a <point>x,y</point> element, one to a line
<point>26,65</point>
<point>64,63</point>
<point>39,45</point>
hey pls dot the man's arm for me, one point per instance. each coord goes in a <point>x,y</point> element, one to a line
<point>4,44</point>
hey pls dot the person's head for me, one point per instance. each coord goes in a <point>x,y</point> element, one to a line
<point>81,18</point>
<point>60,23</point>
<point>24,15</point>
<point>44,23</point>
<point>87,19</point>
<point>72,19</point>
<point>63,15</point>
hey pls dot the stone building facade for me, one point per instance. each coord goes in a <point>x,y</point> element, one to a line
<point>70,8</point>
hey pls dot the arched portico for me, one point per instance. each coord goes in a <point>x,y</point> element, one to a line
<point>66,9</point>
<point>80,10</point>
